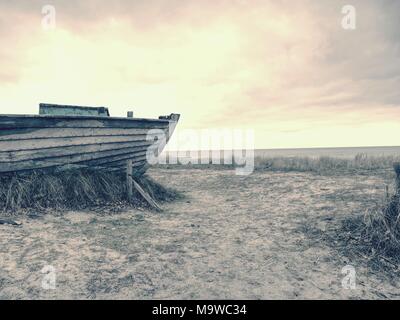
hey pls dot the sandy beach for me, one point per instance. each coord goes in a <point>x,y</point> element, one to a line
<point>230,237</point>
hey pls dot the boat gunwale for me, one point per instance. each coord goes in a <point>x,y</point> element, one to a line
<point>73,117</point>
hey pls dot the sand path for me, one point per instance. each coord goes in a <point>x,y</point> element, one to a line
<point>231,237</point>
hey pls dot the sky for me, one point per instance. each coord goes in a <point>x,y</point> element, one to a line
<point>286,69</point>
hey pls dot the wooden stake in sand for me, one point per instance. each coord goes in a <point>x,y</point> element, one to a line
<point>129,179</point>
<point>146,196</point>
<point>130,182</point>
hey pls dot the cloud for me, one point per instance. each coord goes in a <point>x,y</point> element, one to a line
<point>318,66</point>
<point>275,66</point>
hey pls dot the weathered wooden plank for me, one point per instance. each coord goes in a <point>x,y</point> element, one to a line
<point>71,166</point>
<point>101,157</point>
<point>146,196</point>
<point>98,149</point>
<point>61,109</point>
<point>35,133</point>
<point>139,156</point>
<point>34,144</point>
<point>33,121</point>
<point>84,159</point>
<point>138,165</point>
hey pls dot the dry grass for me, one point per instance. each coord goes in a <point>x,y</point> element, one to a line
<point>72,190</point>
<point>321,165</point>
<point>325,164</point>
<point>374,236</point>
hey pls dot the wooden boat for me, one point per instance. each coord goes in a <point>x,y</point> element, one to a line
<point>76,136</point>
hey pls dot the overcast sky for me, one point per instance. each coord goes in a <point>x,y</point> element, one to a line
<point>286,69</point>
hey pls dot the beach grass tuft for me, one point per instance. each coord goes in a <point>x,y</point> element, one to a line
<point>325,164</point>
<point>73,190</point>
<point>375,235</point>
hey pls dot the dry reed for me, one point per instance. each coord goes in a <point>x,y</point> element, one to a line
<point>375,236</point>
<point>70,190</point>
<point>325,164</point>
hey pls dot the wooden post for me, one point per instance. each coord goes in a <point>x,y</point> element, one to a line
<point>129,179</point>
<point>130,183</point>
<point>146,196</point>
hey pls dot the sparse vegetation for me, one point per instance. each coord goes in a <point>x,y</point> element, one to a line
<point>73,190</point>
<point>325,164</point>
<point>256,225</point>
<point>375,236</point>
<point>321,165</point>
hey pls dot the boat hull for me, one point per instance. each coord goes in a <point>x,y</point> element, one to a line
<point>39,142</point>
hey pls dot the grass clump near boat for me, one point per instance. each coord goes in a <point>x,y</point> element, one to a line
<point>73,190</point>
